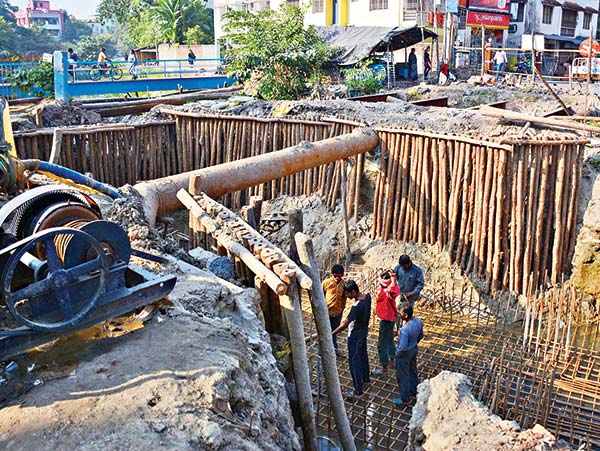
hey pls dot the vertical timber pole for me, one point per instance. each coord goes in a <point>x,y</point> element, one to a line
<point>293,314</point>
<point>344,189</point>
<point>482,52</point>
<point>309,265</point>
<point>589,73</point>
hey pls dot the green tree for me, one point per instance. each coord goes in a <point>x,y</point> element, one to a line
<point>274,47</point>
<point>74,29</point>
<point>122,11</point>
<point>89,47</point>
<point>6,10</point>
<point>176,17</point>
<point>144,32</point>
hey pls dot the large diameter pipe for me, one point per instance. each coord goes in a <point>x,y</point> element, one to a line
<point>160,195</point>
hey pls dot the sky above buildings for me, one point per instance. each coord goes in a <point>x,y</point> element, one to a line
<point>82,9</point>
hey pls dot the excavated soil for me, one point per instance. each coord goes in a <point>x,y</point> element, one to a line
<point>200,376</point>
<point>447,417</point>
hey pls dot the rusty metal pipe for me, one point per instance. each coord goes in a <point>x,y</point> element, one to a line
<point>160,195</point>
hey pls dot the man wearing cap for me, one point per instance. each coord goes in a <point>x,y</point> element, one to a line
<point>333,287</point>
<point>386,312</point>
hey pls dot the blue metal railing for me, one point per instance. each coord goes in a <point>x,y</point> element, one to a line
<point>83,71</point>
<point>8,68</point>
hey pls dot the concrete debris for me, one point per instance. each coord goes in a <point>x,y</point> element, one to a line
<point>447,417</point>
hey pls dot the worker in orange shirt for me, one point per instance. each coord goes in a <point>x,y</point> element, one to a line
<point>333,287</point>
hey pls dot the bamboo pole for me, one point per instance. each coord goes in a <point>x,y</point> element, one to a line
<point>321,315</point>
<point>293,316</point>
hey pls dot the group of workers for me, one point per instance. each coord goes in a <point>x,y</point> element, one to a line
<point>399,289</point>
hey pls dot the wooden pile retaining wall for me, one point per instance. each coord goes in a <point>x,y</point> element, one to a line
<point>505,211</point>
<point>116,154</point>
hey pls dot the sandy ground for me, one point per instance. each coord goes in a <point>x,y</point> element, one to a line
<point>199,377</point>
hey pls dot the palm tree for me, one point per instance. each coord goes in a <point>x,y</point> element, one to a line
<point>174,17</point>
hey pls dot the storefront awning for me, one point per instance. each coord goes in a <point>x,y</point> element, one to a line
<point>555,37</point>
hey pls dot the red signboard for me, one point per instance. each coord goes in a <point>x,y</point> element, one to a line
<point>496,5</point>
<point>489,20</point>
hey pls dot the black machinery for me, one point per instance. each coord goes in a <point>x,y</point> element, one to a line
<point>63,268</point>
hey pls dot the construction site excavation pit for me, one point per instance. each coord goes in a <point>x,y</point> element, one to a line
<point>489,209</point>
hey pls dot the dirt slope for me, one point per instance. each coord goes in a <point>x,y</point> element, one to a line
<point>199,378</point>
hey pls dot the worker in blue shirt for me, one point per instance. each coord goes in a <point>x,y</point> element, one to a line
<point>358,320</point>
<point>406,354</point>
<point>409,278</point>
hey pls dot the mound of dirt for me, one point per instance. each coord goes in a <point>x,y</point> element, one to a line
<point>200,377</point>
<point>448,417</point>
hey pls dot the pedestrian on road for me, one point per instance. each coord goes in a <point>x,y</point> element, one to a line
<point>500,60</point>
<point>72,59</point>
<point>132,60</point>
<point>426,63</point>
<point>386,312</point>
<point>333,288</point>
<point>406,354</point>
<point>413,72</point>
<point>191,57</point>
<point>358,320</point>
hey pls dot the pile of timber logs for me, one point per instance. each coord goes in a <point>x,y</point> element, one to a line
<point>505,212</point>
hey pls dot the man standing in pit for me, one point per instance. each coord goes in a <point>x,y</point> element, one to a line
<point>409,278</point>
<point>358,320</point>
<point>333,288</point>
<point>406,354</point>
<point>386,312</point>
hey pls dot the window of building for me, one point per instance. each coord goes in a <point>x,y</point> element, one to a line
<point>517,12</point>
<point>378,4</point>
<point>568,23</point>
<point>293,2</point>
<point>587,18</point>
<point>547,14</point>
<point>317,6</point>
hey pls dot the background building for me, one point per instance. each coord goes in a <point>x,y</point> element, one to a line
<point>564,24</point>
<point>40,13</point>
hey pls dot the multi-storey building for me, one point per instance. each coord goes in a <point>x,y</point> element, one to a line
<point>564,24</point>
<point>40,13</point>
<point>385,13</point>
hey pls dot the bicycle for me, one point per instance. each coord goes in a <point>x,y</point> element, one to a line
<point>97,72</point>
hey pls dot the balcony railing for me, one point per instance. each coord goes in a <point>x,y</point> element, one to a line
<point>567,31</point>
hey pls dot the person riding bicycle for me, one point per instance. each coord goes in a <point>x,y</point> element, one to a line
<point>102,60</point>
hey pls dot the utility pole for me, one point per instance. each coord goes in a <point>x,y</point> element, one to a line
<point>435,30</point>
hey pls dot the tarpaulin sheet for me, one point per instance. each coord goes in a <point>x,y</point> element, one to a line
<point>358,43</point>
